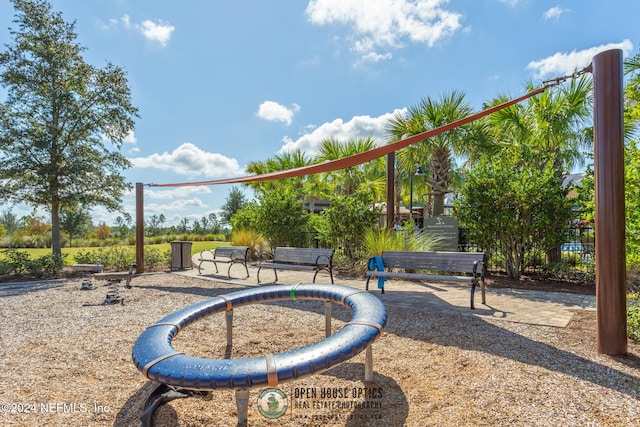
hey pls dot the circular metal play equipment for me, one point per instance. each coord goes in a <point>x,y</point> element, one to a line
<point>156,359</point>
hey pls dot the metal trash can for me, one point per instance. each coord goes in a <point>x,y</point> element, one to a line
<point>181,255</point>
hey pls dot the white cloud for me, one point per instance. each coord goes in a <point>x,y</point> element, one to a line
<point>555,13</point>
<point>272,111</point>
<point>191,161</point>
<point>169,193</point>
<point>130,138</point>
<point>181,205</point>
<point>562,63</point>
<point>159,32</point>
<point>386,24</point>
<point>358,126</point>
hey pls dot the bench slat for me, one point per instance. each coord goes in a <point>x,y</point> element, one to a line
<point>302,255</point>
<point>291,258</point>
<point>420,276</point>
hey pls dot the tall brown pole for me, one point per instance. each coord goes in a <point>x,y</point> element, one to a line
<point>391,186</point>
<point>609,197</point>
<point>139,228</point>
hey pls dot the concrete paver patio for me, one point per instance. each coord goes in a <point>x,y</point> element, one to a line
<point>513,305</point>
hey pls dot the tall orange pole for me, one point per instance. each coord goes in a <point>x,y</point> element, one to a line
<point>139,228</point>
<point>609,200</point>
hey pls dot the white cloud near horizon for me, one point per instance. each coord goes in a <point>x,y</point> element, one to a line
<point>191,161</point>
<point>162,193</point>
<point>563,63</point>
<point>180,205</point>
<point>272,111</point>
<point>386,24</point>
<point>554,13</point>
<point>357,127</point>
<point>159,32</point>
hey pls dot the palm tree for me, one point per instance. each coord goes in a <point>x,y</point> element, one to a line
<point>285,161</point>
<point>554,122</point>
<point>368,177</point>
<point>435,152</point>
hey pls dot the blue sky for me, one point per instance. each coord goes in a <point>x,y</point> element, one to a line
<point>221,84</point>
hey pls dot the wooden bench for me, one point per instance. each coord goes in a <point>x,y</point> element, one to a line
<point>117,275</point>
<point>225,255</point>
<point>303,259</point>
<point>453,266</point>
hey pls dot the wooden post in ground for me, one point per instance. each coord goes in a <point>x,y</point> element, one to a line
<point>391,186</point>
<point>139,228</point>
<point>609,202</point>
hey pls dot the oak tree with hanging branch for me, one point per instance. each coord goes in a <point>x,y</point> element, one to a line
<point>62,122</point>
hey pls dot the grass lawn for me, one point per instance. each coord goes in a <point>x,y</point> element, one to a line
<point>162,247</point>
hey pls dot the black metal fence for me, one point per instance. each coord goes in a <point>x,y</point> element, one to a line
<point>577,255</point>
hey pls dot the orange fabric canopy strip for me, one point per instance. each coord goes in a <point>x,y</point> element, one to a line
<point>363,157</point>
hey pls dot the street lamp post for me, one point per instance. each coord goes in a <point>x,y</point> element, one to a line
<point>419,172</point>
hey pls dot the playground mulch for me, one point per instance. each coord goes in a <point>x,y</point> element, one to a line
<point>66,363</point>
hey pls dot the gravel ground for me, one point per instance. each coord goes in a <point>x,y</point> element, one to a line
<point>69,364</point>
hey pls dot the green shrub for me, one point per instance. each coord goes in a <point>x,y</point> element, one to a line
<point>18,262</point>
<point>120,258</point>
<point>155,259</point>
<point>248,237</point>
<point>88,257</point>
<point>5,267</point>
<point>379,239</point>
<point>345,224</point>
<point>633,316</point>
<point>15,261</point>
<point>45,265</point>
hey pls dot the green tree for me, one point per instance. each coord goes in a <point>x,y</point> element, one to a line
<point>56,120</point>
<point>184,225</point>
<point>210,224</point>
<point>368,177</point>
<point>122,224</point>
<point>436,152</point>
<point>281,219</point>
<point>345,223</point>
<point>512,202</point>
<point>586,198</point>
<point>75,221</point>
<point>153,225</point>
<point>233,203</point>
<point>285,161</point>
<point>555,122</point>
<point>246,218</point>
<point>10,222</point>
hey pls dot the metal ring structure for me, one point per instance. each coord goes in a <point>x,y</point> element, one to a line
<point>155,357</point>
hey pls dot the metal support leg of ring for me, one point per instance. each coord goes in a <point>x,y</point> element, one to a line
<point>229,316</point>
<point>242,403</point>
<point>368,364</point>
<point>327,318</point>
